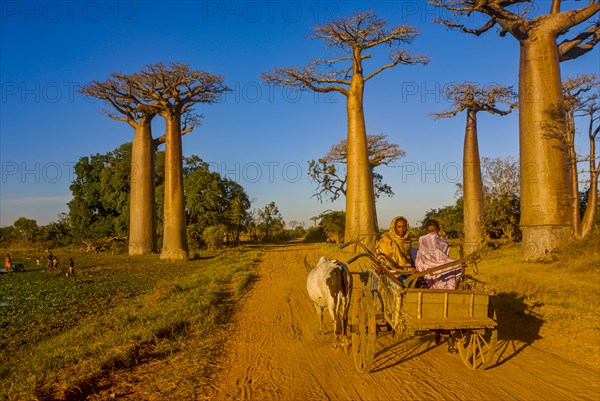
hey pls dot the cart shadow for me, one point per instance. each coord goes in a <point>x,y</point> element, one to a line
<point>401,351</point>
<point>519,325</point>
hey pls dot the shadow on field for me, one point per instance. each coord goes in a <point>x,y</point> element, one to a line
<point>518,325</point>
<point>223,302</point>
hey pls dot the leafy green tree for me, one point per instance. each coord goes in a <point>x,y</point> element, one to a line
<point>212,200</point>
<point>213,236</point>
<point>501,197</point>
<point>57,233</point>
<point>270,220</point>
<point>333,224</point>
<point>100,204</point>
<point>449,217</point>
<point>7,234</point>
<point>25,228</point>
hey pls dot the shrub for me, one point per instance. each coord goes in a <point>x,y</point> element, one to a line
<point>213,236</point>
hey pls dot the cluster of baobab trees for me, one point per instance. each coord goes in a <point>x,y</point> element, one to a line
<point>169,91</point>
<point>545,185</point>
<point>546,197</point>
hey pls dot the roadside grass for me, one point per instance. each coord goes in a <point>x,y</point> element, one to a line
<point>556,305</point>
<point>60,336</point>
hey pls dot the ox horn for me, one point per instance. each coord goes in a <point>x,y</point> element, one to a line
<point>308,267</point>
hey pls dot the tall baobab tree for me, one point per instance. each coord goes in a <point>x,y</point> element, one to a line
<point>580,103</point>
<point>545,204</point>
<point>171,91</point>
<point>353,36</point>
<point>120,94</point>
<point>467,96</point>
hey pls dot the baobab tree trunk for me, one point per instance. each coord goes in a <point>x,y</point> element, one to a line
<point>360,199</point>
<point>375,219</point>
<point>142,216</point>
<point>545,181</point>
<point>592,201</point>
<point>575,206</point>
<point>175,246</point>
<point>472,188</point>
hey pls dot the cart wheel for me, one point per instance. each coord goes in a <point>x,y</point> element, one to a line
<point>363,335</point>
<point>477,347</point>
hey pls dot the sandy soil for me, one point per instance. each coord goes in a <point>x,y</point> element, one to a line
<point>274,352</point>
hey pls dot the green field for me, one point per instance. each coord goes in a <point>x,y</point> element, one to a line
<point>62,334</point>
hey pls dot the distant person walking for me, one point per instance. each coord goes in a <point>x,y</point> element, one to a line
<point>71,270</point>
<point>7,262</point>
<point>50,264</point>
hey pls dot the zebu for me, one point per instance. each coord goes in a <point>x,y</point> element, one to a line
<point>329,285</point>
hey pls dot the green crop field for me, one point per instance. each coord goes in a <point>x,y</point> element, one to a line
<point>61,333</point>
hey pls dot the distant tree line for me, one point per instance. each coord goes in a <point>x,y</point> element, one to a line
<point>217,208</point>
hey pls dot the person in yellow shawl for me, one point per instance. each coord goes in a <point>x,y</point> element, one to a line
<point>394,247</point>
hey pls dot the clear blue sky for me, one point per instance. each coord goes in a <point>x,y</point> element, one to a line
<point>260,136</point>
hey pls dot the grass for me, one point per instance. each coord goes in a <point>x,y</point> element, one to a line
<point>556,305</point>
<point>61,335</point>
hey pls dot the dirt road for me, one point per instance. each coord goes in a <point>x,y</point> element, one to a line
<point>276,353</point>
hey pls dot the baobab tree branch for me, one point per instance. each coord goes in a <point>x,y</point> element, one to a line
<point>467,96</point>
<point>453,24</point>
<point>304,79</point>
<point>509,21</point>
<point>189,122</point>
<point>569,19</point>
<point>581,44</point>
<point>400,57</point>
<point>495,9</point>
<point>399,34</point>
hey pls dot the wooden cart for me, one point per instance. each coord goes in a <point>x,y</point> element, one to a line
<point>465,312</point>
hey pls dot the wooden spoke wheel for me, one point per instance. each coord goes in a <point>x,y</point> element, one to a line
<point>477,347</point>
<point>364,333</point>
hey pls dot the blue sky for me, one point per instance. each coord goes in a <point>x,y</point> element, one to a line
<point>262,137</point>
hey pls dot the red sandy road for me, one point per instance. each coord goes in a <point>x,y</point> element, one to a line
<point>275,353</point>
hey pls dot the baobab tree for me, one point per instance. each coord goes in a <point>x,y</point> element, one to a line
<point>330,176</point>
<point>121,95</point>
<point>580,103</point>
<point>329,172</point>
<point>545,204</point>
<point>470,98</point>
<point>353,36</point>
<point>170,91</point>
<point>119,92</point>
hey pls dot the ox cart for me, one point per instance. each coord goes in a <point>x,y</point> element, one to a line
<point>465,313</point>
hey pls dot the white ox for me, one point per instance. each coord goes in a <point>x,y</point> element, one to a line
<point>329,285</point>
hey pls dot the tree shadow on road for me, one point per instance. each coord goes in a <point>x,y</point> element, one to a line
<point>519,325</point>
